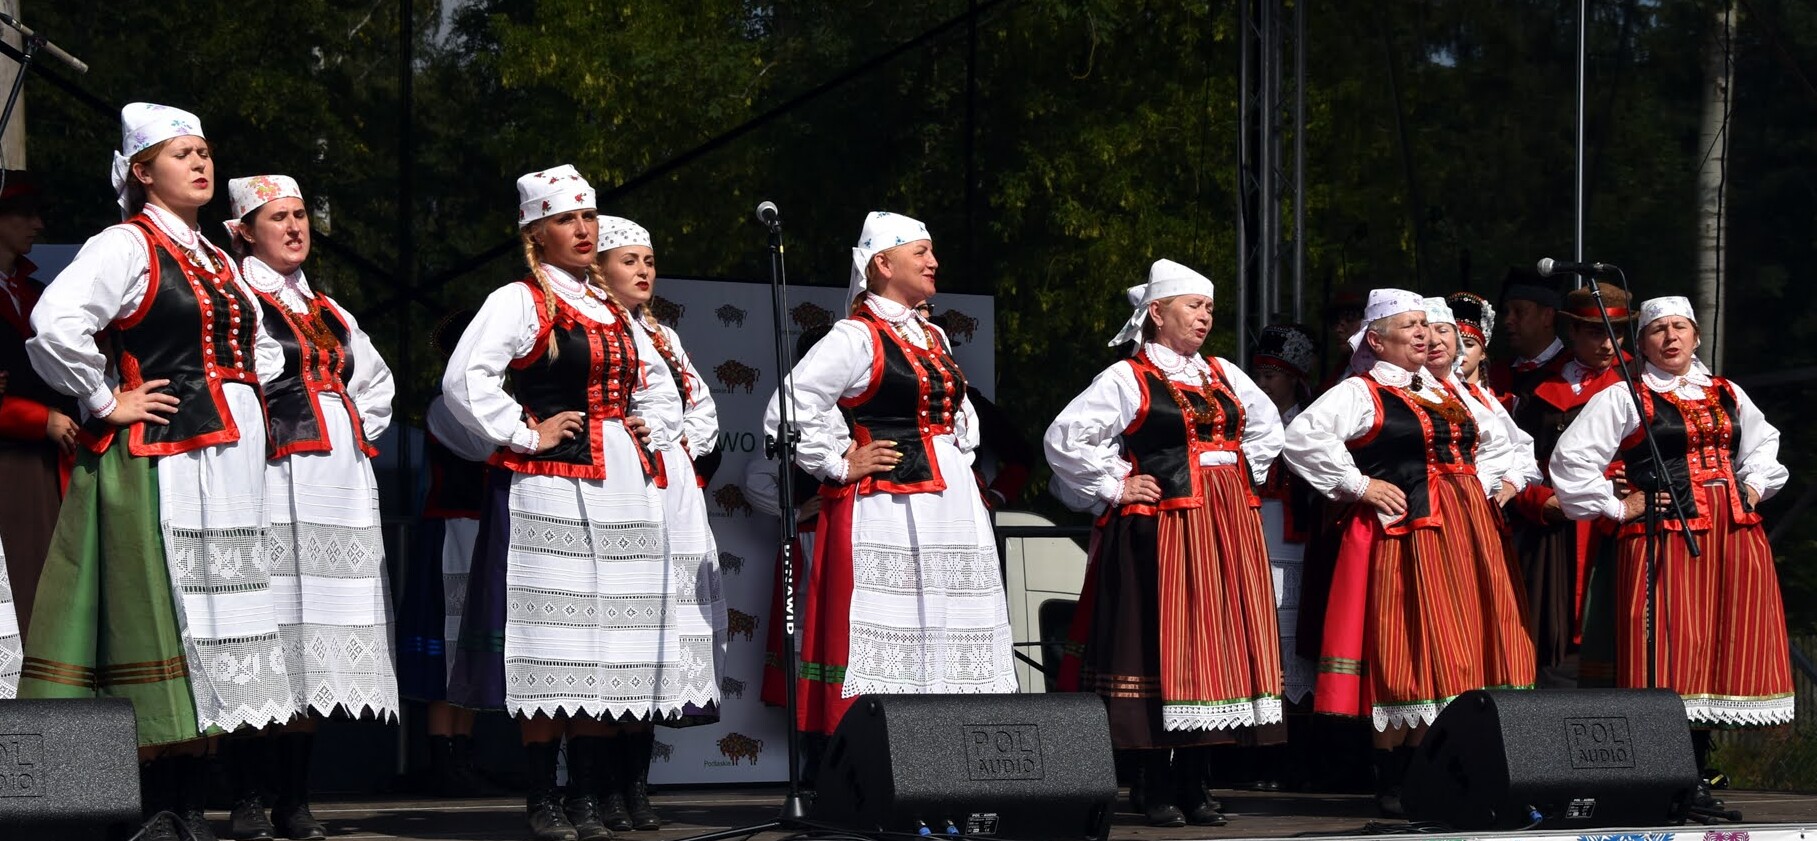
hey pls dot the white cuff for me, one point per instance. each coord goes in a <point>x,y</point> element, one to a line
<point>1353,488</point>
<point>836,471</point>
<point>1613,510</point>
<point>1760,493</point>
<point>101,403</point>
<point>524,441</point>
<point>1110,489</point>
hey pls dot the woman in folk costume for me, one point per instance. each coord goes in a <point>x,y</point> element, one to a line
<point>1285,359</point>
<point>904,594</point>
<point>1283,365</point>
<point>1504,454</point>
<point>570,622</point>
<point>1176,625</point>
<point>160,563</point>
<point>627,264</point>
<point>1423,606</point>
<point>435,586</point>
<point>37,424</point>
<point>332,401</point>
<point>1721,635</point>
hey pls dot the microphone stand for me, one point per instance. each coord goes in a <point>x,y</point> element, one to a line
<point>1654,528</point>
<point>781,447</point>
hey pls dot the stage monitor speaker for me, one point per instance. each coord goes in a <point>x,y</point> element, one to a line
<point>1014,766</point>
<point>68,769</point>
<point>1568,759</point>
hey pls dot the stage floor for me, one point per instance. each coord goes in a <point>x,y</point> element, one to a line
<point>1770,816</point>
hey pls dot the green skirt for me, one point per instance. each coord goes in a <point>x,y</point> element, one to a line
<point>104,624</point>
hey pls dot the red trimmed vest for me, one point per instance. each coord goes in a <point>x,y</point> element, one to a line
<point>195,328</point>
<point>1699,442</point>
<point>594,372</point>
<point>1411,443</point>
<point>1163,442</point>
<point>317,359</point>
<point>914,395</point>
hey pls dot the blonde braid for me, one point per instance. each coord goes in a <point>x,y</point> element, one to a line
<point>542,280</point>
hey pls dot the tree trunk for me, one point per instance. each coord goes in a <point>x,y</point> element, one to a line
<point>1712,216</point>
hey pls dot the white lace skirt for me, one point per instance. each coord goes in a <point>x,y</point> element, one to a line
<point>11,655</point>
<point>592,604</point>
<point>458,537</point>
<point>700,602</point>
<point>328,575</point>
<point>928,613</point>
<point>211,510</point>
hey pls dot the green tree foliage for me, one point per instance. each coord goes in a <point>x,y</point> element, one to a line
<point>1094,135</point>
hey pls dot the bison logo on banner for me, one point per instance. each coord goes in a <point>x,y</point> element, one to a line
<point>729,562</point>
<point>732,374</point>
<point>959,327</point>
<point>730,316</point>
<point>663,751</point>
<point>808,316</point>
<point>731,498</point>
<point>731,687</point>
<point>665,310</point>
<point>736,746</point>
<point>740,622</point>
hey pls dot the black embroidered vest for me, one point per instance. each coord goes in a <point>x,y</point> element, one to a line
<point>195,328</point>
<point>1699,443</point>
<point>318,358</point>
<point>1165,443</point>
<point>593,372</point>
<point>1411,441</point>
<point>914,395</point>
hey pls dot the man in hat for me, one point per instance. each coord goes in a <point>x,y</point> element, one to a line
<point>1555,553</point>
<point>37,430</point>
<point>1529,320</point>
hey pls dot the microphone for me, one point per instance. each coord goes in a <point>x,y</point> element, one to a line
<point>767,214</point>
<point>1549,267</point>
<point>53,49</point>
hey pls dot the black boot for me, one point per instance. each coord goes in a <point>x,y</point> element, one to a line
<point>156,797</point>
<point>1389,771</point>
<point>190,777</point>
<point>612,784</point>
<point>290,803</point>
<point>1189,776</point>
<point>582,803</point>
<point>543,804</point>
<point>249,763</point>
<point>638,748</point>
<point>467,771</point>
<point>1158,789</point>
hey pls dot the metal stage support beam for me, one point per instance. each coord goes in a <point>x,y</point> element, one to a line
<point>1271,111</point>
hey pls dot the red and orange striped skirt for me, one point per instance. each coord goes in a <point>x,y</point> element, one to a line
<point>1721,637</point>
<point>1176,624</point>
<point>1420,618</point>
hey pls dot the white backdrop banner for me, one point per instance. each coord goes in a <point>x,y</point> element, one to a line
<point>727,330</point>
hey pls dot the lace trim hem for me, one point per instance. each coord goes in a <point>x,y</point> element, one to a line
<point>1221,715</point>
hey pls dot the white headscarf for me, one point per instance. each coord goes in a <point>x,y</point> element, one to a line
<point>1166,279</point>
<point>618,232</point>
<point>882,231</point>
<point>245,195</point>
<point>552,192</point>
<point>142,126</point>
<point>1382,304</point>
<point>1653,309</point>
